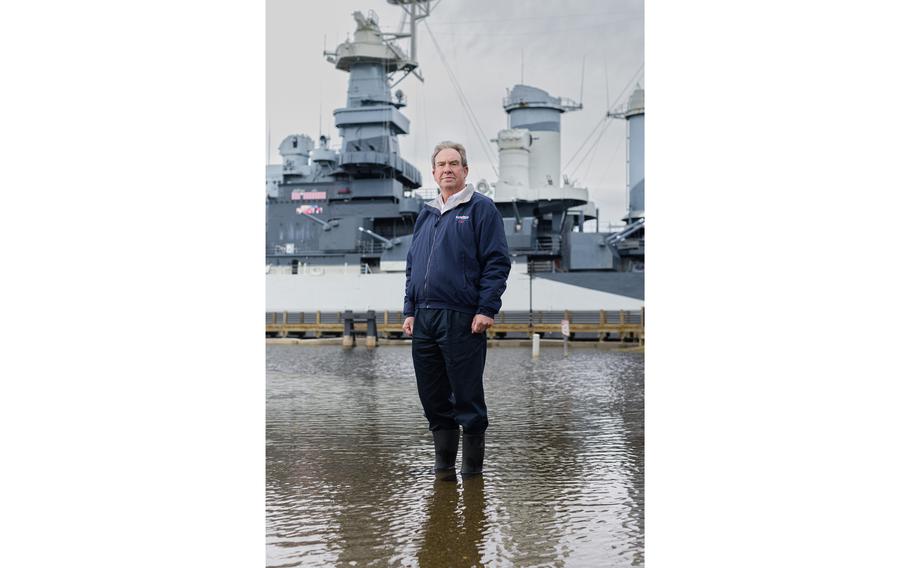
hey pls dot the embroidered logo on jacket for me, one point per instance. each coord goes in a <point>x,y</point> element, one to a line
<point>462,218</point>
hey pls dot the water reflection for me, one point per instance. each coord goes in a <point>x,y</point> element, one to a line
<point>456,525</point>
<point>349,463</point>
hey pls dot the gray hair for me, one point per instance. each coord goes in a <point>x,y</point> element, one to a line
<point>454,146</point>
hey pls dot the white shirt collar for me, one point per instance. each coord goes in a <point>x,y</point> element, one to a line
<point>458,198</point>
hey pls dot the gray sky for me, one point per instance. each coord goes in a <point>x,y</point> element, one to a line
<point>483,42</point>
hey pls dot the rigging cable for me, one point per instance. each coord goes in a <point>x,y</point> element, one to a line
<point>472,119</point>
<point>599,124</point>
<point>596,126</point>
<point>633,79</point>
<point>591,149</point>
<point>609,161</point>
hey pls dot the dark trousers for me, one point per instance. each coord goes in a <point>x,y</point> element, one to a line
<point>448,362</point>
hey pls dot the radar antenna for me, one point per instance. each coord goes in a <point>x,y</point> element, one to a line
<point>413,12</point>
<point>581,94</point>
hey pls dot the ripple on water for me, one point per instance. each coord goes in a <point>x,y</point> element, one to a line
<point>348,463</point>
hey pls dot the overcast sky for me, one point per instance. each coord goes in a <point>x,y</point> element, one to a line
<point>483,42</point>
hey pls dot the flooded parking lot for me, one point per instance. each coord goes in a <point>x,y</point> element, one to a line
<point>349,462</point>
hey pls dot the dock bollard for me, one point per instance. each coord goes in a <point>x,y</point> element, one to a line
<point>371,330</point>
<point>535,345</point>
<point>347,340</point>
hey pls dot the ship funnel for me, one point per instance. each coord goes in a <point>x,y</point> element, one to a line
<point>529,150</point>
<point>514,164</point>
<point>635,118</point>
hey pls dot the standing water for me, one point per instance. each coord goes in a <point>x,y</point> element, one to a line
<point>349,462</point>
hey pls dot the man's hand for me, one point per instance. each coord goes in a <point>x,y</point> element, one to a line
<point>481,323</point>
<point>408,326</point>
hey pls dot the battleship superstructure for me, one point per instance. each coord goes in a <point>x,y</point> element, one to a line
<point>328,207</point>
<point>339,222</point>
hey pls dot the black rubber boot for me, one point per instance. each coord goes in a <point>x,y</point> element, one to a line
<point>446,444</point>
<point>472,447</point>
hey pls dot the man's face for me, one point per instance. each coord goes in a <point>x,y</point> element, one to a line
<point>448,171</point>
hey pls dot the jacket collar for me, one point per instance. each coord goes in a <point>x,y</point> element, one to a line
<point>457,199</point>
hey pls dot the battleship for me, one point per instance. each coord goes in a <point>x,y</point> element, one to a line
<point>339,219</point>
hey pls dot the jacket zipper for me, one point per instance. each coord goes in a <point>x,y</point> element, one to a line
<point>426,277</point>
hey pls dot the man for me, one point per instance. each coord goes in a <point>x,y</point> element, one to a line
<point>457,268</point>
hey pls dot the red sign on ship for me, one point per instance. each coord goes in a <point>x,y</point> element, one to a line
<point>298,195</point>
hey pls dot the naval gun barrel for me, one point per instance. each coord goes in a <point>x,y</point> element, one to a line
<point>386,243</point>
<point>326,226</point>
<point>621,236</point>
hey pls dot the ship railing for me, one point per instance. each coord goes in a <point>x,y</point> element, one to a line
<point>545,244</point>
<point>538,266</point>
<point>281,250</point>
<point>369,247</point>
<point>630,244</point>
<point>427,194</point>
<point>364,247</point>
<point>548,243</point>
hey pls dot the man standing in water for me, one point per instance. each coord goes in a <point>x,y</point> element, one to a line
<point>457,268</point>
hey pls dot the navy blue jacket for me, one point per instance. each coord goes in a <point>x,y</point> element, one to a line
<point>458,260</point>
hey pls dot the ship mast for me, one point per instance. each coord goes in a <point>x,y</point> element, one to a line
<point>414,10</point>
<point>371,122</point>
